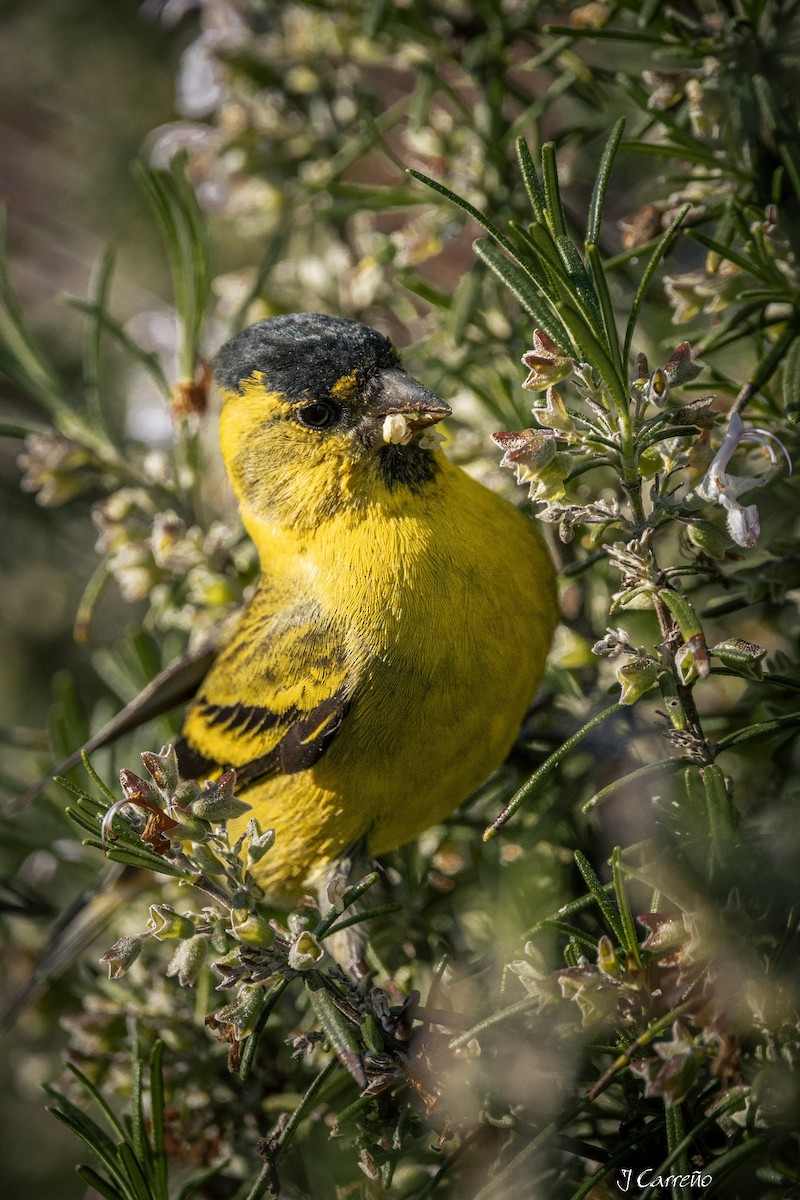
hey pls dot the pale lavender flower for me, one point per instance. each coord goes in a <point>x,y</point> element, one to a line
<point>719,487</point>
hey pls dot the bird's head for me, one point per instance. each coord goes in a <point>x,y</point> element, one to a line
<point>318,414</point>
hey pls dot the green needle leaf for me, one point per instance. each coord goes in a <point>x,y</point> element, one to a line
<point>98,1183</point>
<point>601,184</point>
<point>555,210</point>
<point>791,382</point>
<point>100,288</point>
<point>519,284</point>
<point>739,260</point>
<point>630,940</point>
<point>336,1027</point>
<point>466,207</point>
<point>174,205</point>
<point>602,899</point>
<point>159,1152</point>
<point>531,179</point>
<point>547,768</point>
<point>600,283</point>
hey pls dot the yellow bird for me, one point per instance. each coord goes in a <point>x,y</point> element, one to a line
<point>400,625</point>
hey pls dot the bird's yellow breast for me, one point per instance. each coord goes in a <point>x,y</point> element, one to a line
<point>457,654</point>
<point>448,605</point>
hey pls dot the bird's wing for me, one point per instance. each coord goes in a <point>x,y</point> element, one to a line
<point>275,699</point>
<point>173,686</point>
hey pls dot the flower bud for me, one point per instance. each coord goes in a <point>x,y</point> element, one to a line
<point>186,792</point>
<point>217,802</point>
<point>532,454</point>
<point>682,1062</point>
<point>649,463</point>
<point>220,942</point>
<point>305,952</point>
<point>138,791</point>
<point>247,926</point>
<point>527,451</point>
<point>691,659</point>
<point>553,414</point>
<point>189,828</point>
<point>709,538</point>
<point>206,859</point>
<point>545,362</point>
<point>167,924</point>
<point>690,628</point>
<point>368,1165</point>
<point>666,932</point>
<point>637,676</point>
<point>164,768</point>
<point>252,930</point>
<point>209,590</point>
<point>641,371</point>
<point>122,956</point>
<point>680,368</point>
<point>298,922</point>
<point>243,1011</point>
<point>607,960</point>
<point>188,959</point>
<point>595,996</point>
<point>122,505</point>
<point>699,412</point>
<point>705,109</point>
<point>744,657</point>
<point>658,388</point>
<point>54,467</point>
<point>258,842</point>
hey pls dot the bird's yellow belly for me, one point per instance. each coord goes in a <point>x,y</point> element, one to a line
<point>446,687</point>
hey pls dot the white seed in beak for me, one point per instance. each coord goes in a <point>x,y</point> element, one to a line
<point>396,430</point>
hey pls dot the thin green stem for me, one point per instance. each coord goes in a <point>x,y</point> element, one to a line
<point>546,769</point>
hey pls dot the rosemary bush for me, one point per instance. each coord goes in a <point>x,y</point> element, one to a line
<point>588,975</point>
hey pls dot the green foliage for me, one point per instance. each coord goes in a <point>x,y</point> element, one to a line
<point>610,977</point>
<point>134,1163</point>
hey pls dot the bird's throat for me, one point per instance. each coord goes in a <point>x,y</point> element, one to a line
<point>407,466</point>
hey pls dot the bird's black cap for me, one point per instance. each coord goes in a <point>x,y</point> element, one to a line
<point>304,354</point>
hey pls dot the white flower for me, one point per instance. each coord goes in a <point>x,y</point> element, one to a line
<point>305,952</point>
<point>396,431</point>
<point>718,487</point>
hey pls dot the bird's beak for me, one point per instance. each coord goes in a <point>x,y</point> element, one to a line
<point>400,394</point>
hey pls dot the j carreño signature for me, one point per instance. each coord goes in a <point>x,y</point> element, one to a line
<point>646,1179</point>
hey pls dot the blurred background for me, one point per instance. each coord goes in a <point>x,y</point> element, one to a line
<point>298,121</point>
<point>83,82</point>
<point>82,86</point>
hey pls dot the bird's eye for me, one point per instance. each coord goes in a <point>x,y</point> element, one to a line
<point>318,416</point>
